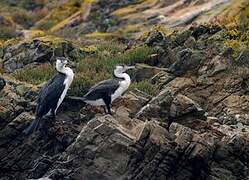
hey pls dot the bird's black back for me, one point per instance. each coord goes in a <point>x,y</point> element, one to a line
<point>49,94</point>
<point>106,87</point>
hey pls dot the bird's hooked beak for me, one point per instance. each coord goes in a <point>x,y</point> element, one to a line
<point>129,67</point>
<point>64,62</point>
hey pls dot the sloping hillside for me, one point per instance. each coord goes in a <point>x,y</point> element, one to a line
<point>75,18</point>
<point>185,115</point>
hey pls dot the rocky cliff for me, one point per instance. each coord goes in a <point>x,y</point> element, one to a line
<point>185,115</point>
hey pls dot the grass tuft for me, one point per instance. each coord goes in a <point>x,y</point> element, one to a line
<point>147,87</point>
<point>36,75</point>
<point>99,66</point>
<point>96,66</point>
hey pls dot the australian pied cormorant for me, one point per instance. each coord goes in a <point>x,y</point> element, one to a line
<point>52,93</point>
<point>105,92</point>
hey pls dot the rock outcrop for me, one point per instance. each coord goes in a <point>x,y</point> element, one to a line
<point>39,50</point>
<point>196,128</point>
<point>2,83</point>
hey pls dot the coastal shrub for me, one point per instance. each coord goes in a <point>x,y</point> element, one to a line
<point>7,33</point>
<point>22,18</point>
<point>236,27</point>
<point>36,75</point>
<point>99,66</point>
<point>32,4</point>
<point>92,68</point>
<point>146,87</point>
<point>7,28</point>
<point>84,80</point>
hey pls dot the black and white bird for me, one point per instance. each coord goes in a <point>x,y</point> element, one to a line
<point>105,92</point>
<point>52,94</point>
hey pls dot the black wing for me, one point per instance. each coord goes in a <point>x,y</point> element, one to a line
<point>49,94</point>
<point>106,87</point>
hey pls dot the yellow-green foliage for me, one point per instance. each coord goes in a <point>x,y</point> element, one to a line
<point>99,65</point>
<point>26,4</point>
<point>84,8</point>
<point>89,49</point>
<point>235,19</point>
<point>7,27</point>
<point>136,55</point>
<point>51,40</point>
<point>100,35</point>
<point>124,11</point>
<point>244,19</point>
<point>35,75</point>
<point>155,28</point>
<point>84,80</point>
<point>22,13</point>
<point>128,30</point>
<point>7,32</point>
<point>146,87</point>
<point>237,46</point>
<point>60,13</point>
<point>22,18</point>
<point>96,66</point>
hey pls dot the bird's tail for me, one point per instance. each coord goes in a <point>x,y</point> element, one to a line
<point>77,98</point>
<point>33,126</point>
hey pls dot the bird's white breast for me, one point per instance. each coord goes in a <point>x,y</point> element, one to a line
<point>67,82</point>
<point>123,86</point>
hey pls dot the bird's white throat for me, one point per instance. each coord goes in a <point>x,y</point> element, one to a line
<point>65,70</point>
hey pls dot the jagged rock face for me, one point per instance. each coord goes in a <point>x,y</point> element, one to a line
<point>37,51</point>
<point>2,83</point>
<point>195,128</point>
<point>121,148</point>
<point>187,60</point>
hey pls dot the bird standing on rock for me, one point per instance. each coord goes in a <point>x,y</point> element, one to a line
<point>105,92</point>
<point>52,94</point>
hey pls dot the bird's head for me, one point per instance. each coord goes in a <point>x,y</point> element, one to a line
<point>119,69</point>
<point>61,62</point>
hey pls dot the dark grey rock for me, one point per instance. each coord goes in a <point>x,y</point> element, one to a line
<point>162,78</point>
<point>2,83</point>
<point>242,59</point>
<point>24,53</point>
<point>182,105</point>
<point>187,60</point>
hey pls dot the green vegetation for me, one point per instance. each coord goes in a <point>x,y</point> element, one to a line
<point>97,65</point>
<point>20,14</point>
<point>109,54</point>
<point>33,4</point>
<point>7,33</point>
<point>147,87</point>
<point>35,75</point>
<point>59,14</point>
<point>26,4</point>
<point>23,18</point>
<point>84,80</point>
<point>7,29</point>
<point>235,20</point>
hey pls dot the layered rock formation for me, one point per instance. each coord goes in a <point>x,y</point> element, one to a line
<point>196,128</point>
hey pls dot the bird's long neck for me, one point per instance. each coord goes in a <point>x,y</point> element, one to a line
<point>123,76</point>
<point>63,69</point>
<point>67,71</point>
